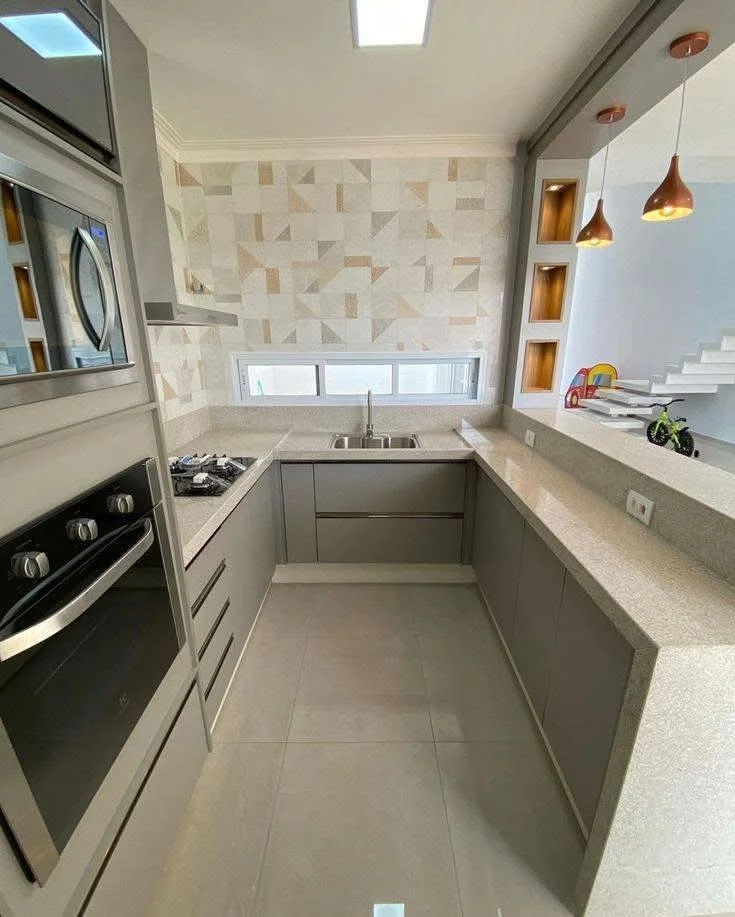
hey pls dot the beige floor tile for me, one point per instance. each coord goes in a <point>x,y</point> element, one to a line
<point>516,847</point>
<point>448,611</point>
<point>362,610</point>
<point>287,611</point>
<point>261,699</point>
<point>473,694</point>
<point>355,825</point>
<point>214,866</point>
<point>355,689</point>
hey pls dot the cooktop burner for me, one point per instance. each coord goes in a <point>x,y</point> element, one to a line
<point>205,475</point>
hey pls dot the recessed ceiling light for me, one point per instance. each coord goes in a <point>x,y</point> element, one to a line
<point>51,35</point>
<point>378,23</point>
<point>554,187</point>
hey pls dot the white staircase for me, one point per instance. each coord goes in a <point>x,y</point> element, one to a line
<point>631,400</point>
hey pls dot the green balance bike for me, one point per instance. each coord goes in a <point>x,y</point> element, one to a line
<point>665,428</point>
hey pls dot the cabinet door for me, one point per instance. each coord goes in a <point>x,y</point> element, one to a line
<point>589,675</point>
<point>125,887</point>
<point>537,613</point>
<point>395,541</point>
<point>497,552</point>
<point>299,513</point>
<point>262,516</point>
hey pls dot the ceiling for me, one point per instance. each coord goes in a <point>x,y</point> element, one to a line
<point>238,70</point>
<point>707,149</point>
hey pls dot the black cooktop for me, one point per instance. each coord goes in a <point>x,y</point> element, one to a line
<point>207,474</point>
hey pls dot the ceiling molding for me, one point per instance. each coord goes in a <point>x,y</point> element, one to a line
<point>478,145</point>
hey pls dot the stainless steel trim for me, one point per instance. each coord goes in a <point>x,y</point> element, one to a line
<point>44,630</point>
<point>171,313</point>
<point>390,515</point>
<point>82,238</point>
<point>23,815</point>
<point>33,387</point>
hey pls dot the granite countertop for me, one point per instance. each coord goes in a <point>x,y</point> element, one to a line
<point>656,595</point>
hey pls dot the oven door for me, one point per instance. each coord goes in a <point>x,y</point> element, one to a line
<point>79,663</point>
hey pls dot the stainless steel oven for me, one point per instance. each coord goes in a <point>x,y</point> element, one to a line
<point>90,624</point>
<point>61,315</point>
<point>53,69</point>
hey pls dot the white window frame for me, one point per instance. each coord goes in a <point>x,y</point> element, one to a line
<point>320,360</point>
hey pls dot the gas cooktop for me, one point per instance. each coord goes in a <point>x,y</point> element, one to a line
<point>205,475</point>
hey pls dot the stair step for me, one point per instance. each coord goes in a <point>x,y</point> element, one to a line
<point>619,423</point>
<point>623,397</point>
<point>658,386</point>
<point>678,378</point>
<point>612,409</point>
<point>712,355</point>
<point>694,368</point>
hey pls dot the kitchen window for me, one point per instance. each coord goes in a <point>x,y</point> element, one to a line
<point>261,378</point>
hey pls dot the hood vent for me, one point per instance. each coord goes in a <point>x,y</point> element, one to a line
<point>173,313</point>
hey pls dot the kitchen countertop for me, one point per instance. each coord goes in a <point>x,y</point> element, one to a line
<point>656,595</point>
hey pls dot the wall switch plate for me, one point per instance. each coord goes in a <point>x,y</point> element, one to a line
<point>640,507</point>
<point>530,438</point>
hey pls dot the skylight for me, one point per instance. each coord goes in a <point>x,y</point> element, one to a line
<point>390,22</point>
<point>51,35</point>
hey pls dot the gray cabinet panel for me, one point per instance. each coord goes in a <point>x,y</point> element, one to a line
<point>262,515</point>
<point>588,679</point>
<point>497,550</point>
<point>537,613</point>
<point>405,487</point>
<point>407,541</point>
<point>299,514</point>
<point>126,885</point>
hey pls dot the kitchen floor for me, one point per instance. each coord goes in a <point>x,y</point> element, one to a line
<point>374,749</point>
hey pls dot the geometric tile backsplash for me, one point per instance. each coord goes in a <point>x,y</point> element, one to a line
<point>386,255</point>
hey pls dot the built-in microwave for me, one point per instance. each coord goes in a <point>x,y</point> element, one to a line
<point>53,69</point>
<point>62,315</point>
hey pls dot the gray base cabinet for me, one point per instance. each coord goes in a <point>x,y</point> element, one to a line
<point>540,587</point>
<point>386,512</point>
<point>497,551</point>
<point>573,663</point>
<point>134,865</point>
<point>588,679</point>
<point>227,581</point>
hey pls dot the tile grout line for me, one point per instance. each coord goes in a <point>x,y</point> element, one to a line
<point>436,756</point>
<point>280,776</point>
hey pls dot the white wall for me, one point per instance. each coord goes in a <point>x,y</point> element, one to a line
<point>659,292</point>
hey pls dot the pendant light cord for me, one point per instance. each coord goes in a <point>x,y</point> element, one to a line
<point>681,109</point>
<point>607,150</point>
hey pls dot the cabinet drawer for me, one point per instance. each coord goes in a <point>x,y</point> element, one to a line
<point>406,487</point>
<point>200,571</point>
<point>138,855</point>
<point>207,607</point>
<point>396,540</point>
<point>214,644</point>
<point>216,687</point>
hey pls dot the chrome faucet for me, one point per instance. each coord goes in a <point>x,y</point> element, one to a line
<point>369,432</point>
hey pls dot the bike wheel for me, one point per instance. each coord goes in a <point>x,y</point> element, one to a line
<point>684,443</point>
<point>658,435</point>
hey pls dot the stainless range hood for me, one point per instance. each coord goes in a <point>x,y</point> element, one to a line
<point>174,313</point>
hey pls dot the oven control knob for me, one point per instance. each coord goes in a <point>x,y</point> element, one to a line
<point>82,530</point>
<point>30,565</point>
<point>120,504</point>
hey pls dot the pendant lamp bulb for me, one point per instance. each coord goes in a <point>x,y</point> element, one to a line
<point>598,232</point>
<point>672,200</point>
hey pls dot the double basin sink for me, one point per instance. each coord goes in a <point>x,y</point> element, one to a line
<point>376,441</point>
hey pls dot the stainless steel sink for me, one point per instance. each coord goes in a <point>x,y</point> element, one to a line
<point>376,441</point>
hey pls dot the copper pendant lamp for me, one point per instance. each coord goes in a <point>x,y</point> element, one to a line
<point>672,200</point>
<point>598,232</point>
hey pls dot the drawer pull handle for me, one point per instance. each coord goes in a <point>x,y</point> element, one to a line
<point>213,631</point>
<point>390,515</point>
<point>212,680</point>
<point>211,583</point>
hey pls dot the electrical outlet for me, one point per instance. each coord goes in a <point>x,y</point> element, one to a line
<point>530,438</point>
<point>640,507</point>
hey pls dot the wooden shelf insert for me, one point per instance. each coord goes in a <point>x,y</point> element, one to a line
<point>556,215</point>
<point>25,292</point>
<point>11,214</point>
<point>538,366</point>
<point>547,293</point>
